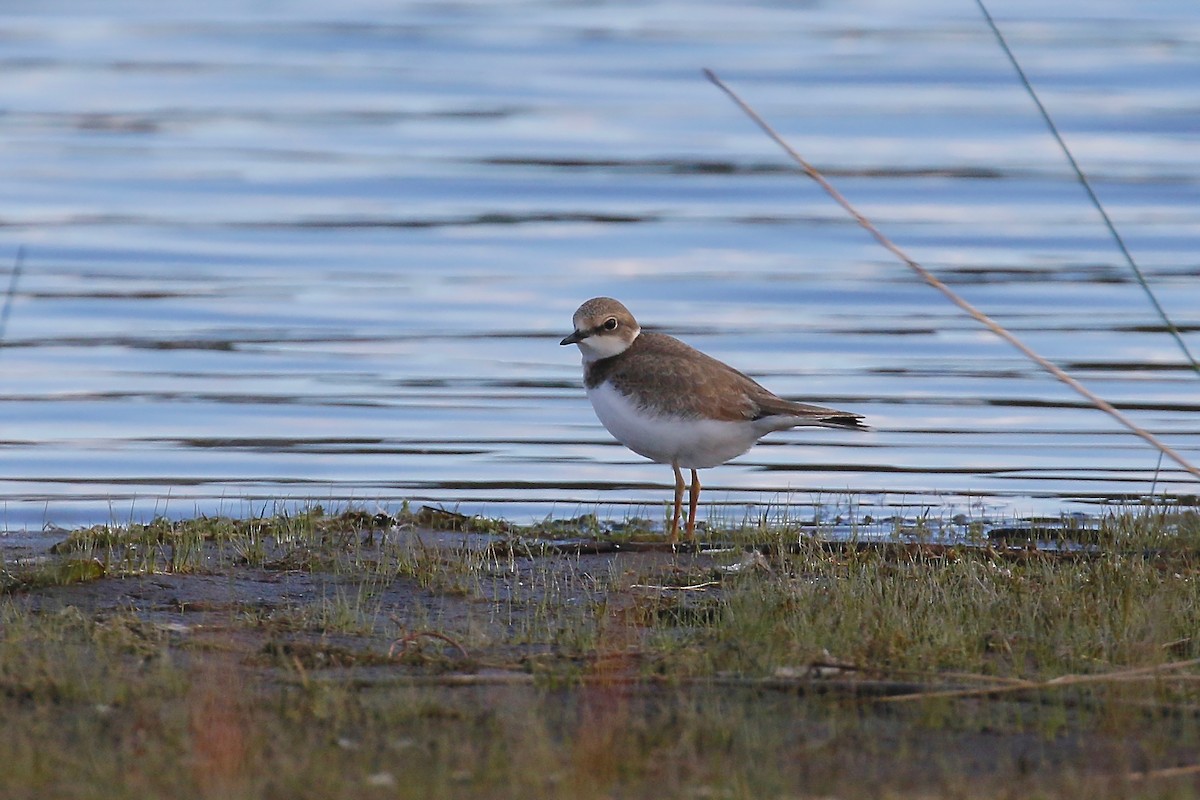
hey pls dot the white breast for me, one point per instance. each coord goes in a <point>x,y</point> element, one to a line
<point>693,443</point>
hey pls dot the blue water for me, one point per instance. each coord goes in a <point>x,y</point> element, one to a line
<point>291,252</point>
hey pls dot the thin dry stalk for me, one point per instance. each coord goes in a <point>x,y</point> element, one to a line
<point>1166,772</point>
<point>695,587</point>
<point>917,673</point>
<point>950,294</point>
<point>403,643</point>
<point>1137,674</point>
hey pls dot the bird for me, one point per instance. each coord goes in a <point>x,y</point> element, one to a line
<point>673,404</point>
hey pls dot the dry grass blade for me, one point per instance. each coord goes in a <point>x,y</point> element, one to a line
<point>695,587</point>
<point>999,680</point>
<point>1054,683</point>
<point>950,294</point>
<point>1166,772</point>
<point>404,642</point>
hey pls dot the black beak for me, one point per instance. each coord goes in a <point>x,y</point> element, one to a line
<point>575,338</point>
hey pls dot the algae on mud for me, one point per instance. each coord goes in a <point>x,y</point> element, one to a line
<point>315,655</point>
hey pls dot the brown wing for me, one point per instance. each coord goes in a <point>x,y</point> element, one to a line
<point>687,383</point>
<point>827,417</point>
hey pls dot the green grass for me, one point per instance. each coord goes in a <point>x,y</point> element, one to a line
<point>353,654</point>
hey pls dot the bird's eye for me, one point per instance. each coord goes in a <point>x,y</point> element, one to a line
<point>610,324</point>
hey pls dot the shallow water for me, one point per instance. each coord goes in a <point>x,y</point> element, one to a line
<point>290,254</point>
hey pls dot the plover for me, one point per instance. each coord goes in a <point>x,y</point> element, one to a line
<point>671,403</point>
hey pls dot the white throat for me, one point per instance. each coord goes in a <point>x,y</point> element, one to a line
<point>600,346</point>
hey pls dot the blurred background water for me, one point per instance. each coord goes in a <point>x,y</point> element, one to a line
<point>290,252</point>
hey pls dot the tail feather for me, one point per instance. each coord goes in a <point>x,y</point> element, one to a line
<point>810,414</point>
<point>845,420</point>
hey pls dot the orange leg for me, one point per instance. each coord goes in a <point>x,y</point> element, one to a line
<point>693,499</point>
<point>678,503</point>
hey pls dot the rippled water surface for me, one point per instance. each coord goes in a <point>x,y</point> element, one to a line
<point>290,252</point>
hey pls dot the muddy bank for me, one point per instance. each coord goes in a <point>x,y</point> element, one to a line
<point>426,662</point>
